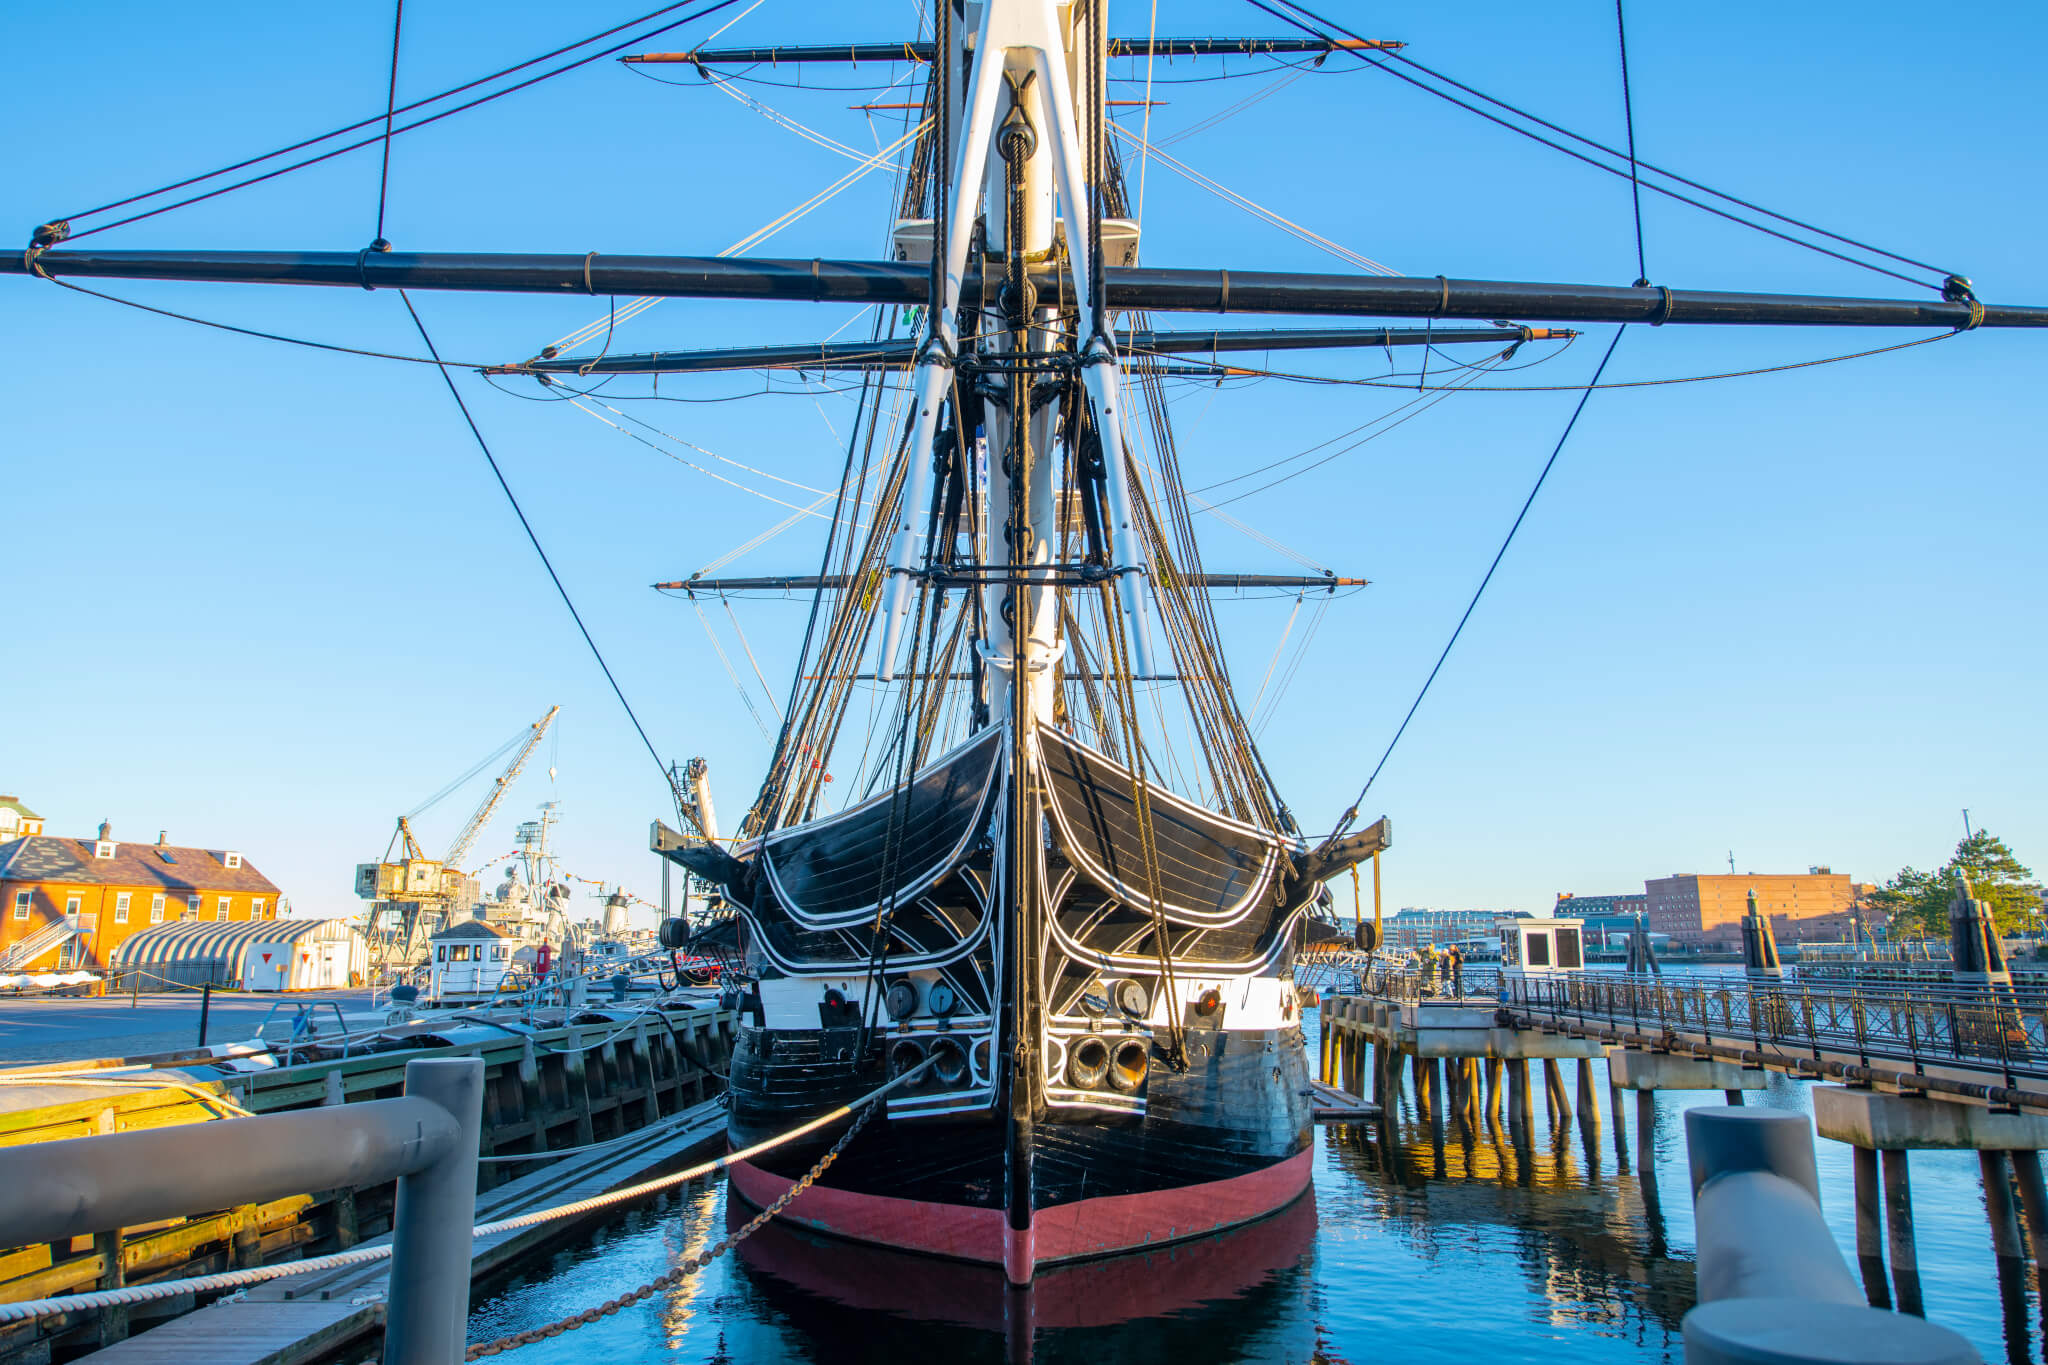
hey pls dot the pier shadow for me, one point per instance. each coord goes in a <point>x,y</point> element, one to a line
<point>1217,1298</point>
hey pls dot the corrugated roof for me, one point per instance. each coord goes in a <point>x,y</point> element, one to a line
<point>47,858</point>
<point>225,942</point>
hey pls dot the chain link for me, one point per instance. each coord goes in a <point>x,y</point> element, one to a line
<point>680,1273</point>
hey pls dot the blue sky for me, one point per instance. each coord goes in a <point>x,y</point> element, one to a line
<point>267,598</point>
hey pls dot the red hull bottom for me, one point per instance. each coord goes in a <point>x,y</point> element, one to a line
<point>1065,1232</point>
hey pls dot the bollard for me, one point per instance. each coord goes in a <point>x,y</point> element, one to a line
<point>205,1007</point>
<point>427,1321</point>
<point>1772,1284</point>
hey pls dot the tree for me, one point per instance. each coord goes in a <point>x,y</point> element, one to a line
<point>1917,902</point>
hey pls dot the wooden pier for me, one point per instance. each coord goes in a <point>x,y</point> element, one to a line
<point>1917,1067</point>
<point>301,1318</point>
<point>566,1080</point>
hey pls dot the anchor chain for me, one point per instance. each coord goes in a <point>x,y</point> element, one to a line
<point>680,1273</point>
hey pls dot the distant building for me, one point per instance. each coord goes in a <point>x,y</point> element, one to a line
<point>1572,906</point>
<point>1608,920</point>
<point>1705,910</point>
<point>1410,928</point>
<point>17,820</point>
<point>70,902</point>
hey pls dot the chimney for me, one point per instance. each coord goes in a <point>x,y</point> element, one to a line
<point>106,830</point>
<point>162,837</point>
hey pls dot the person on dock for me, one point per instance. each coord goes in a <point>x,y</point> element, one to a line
<point>1454,970</point>
<point>1428,968</point>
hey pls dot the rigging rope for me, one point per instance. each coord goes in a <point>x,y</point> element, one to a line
<point>1635,179</point>
<point>1257,210</point>
<point>1351,814</point>
<point>667,780</point>
<point>364,123</point>
<point>390,110</point>
<point>752,239</point>
<point>1378,61</point>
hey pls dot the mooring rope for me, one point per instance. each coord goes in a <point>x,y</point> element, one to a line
<point>682,1272</point>
<point>28,1310</point>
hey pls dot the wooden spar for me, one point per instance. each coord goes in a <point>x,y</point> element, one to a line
<point>922,51</point>
<point>898,351</point>
<point>1221,582</point>
<point>1189,291</point>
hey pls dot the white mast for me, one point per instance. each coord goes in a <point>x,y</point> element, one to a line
<point>1029,42</point>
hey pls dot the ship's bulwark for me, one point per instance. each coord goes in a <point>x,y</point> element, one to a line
<point>1223,1143</point>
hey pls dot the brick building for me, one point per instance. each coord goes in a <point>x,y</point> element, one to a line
<point>1702,910</point>
<point>71,902</point>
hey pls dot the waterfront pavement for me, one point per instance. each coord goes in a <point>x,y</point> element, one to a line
<point>53,1029</point>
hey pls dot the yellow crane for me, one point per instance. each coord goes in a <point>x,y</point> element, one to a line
<point>412,893</point>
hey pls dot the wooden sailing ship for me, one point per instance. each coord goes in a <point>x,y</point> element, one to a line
<point>1068,905</point>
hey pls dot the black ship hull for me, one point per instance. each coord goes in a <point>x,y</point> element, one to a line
<point>1225,1142</point>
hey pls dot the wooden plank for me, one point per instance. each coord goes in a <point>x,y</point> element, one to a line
<point>247,1332</point>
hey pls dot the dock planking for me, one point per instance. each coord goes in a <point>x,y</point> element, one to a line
<point>303,1317</point>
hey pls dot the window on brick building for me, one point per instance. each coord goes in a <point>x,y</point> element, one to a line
<point>121,907</point>
<point>21,903</point>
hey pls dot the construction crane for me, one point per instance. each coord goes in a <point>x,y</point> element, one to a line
<point>414,894</point>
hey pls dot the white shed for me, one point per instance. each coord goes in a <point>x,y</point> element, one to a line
<point>256,955</point>
<point>1541,947</point>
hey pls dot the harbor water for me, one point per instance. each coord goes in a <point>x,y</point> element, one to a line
<point>1478,1247</point>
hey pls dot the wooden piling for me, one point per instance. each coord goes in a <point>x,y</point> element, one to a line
<point>1733,1097</point>
<point>533,1107</point>
<point>1615,1106</point>
<point>1646,1132</point>
<point>2026,1165</point>
<point>1589,1104</point>
<point>1493,1084</point>
<point>576,1080</point>
<point>1554,1091</point>
<point>1869,1225</point>
<point>643,1072</point>
<point>1998,1206</point>
<point>1898,1218</point>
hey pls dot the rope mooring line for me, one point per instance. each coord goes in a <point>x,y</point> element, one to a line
<point>28,1310</point>
<point>690,1266</point>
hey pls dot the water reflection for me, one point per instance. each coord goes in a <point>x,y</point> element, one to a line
<point>1588,1236</point>
<point>1457,1233</point>
<point>1238,1296</point>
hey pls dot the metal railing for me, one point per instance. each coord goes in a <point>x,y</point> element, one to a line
<point>1989,1028</point>
<point>427,1141</point>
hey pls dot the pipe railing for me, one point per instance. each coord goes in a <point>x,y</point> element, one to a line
<point>1772,1282</point>
<point>427,1140</point>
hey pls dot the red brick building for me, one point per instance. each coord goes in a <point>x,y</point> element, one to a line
<point>1702,910</point>
<point>70,902</point>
